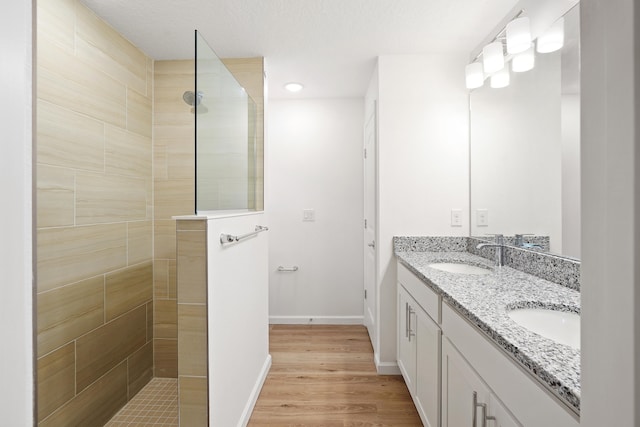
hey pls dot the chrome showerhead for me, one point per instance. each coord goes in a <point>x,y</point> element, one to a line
<point>191,98</point>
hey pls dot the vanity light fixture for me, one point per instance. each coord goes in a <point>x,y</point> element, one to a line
<point>552,39</point>
<point>293,87</point>
<point>500,78</point>
<point>524,61</point>
<point>474,75</point>
<point>492,57</point>
<point>518,34</point>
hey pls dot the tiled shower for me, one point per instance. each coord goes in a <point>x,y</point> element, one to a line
<point>114,163</point>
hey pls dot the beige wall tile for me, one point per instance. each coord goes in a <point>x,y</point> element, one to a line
<point>150,322</point>
<point>193,401</point>
<point>160,279</point>
<point>139,116</point>
<point>66,313</point>
<point>164,239</point>
<point>160,161</point>
<point>56,192</point>
<point>172,280</point>
<point>104,348</point>
<point>70,254</point>
<point>140,369</point>
<point>100,43</point>
<point>192,339</point>
<point>175,197</point>
<point>165,319</point>
<point>69,139</point>
<point>128,288</point>
<point>249,73</point>
<point>180,157</point>
<point>165,358</point>
<point>192,267</point>
<point>149,89</point>
<point>95,405</point>
<point>69,82</point>
<point>109,198</point>
<point>127,153</point>
<point>191,224</point>
<point>139,241</point>
<point>57,22</point>
<point>56,379</point>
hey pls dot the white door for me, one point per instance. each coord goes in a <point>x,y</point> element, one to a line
<point>428,341</point>
<point>370,164</point>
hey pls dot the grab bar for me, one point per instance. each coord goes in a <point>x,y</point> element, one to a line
<point>294,268</point>
<point>230,238</point>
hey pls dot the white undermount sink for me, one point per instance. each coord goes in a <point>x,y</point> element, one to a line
<point>560,326</point>
<point>460,268</point>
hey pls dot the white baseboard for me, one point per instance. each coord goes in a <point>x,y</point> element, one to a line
<point>316,320</point>
<point>253,398</point>
<point>386,368</point>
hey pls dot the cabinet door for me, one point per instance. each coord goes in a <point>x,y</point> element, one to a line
<point>406,340</point>
<point>459,384</point>
<point>428,342</point>
<point>503,418</point>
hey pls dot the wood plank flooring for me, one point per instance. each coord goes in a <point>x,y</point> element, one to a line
<point>325,376</point>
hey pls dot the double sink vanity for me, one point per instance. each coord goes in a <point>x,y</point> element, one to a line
<point>480,343</point>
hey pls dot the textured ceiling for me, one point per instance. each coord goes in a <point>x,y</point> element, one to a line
<point>328,45</point>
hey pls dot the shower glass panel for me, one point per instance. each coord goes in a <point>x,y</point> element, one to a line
<point>226,137</point>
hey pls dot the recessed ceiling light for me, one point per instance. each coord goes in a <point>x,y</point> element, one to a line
<point>293,87</point>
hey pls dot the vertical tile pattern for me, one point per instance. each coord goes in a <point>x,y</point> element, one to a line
<point>191,238</point>
<point>95,224</point>
<point>174,192</point>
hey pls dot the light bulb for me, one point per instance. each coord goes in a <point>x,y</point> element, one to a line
<point>474,75</point>
<point>552,39</point>
<point>518,35</point>
<point>524,61</point>
<point>501,78</point>
<point>492,58</point>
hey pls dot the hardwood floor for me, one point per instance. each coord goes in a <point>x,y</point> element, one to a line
<point>325,376</point>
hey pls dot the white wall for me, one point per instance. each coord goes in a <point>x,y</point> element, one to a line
<point>315,162</point>
<point>423,164</point>
<point>16,361</point>
<point>610,213</point>
<point>238,319</point>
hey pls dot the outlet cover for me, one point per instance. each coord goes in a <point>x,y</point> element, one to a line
<point>456,217</point>
<point>482,217</point>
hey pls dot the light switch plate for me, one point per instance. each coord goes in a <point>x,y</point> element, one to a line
<point>456,217</point>
<point>482,217</point>
<point>309,215</point>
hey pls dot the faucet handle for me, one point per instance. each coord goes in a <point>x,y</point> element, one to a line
<point>497,238</point>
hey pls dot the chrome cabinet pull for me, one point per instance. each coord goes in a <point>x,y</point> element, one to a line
<point>406,320</point>
<point>411,332</point>
<point>483,406</point>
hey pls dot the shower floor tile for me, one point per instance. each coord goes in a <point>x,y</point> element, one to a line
<point>155,405</point>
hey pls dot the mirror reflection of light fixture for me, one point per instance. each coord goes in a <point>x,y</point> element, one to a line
<point>524,61</point>
<point>552,39</point>
<point>518,35</point>
<point>492,57</point>
<point>500,78</point>
<point>474,75</point>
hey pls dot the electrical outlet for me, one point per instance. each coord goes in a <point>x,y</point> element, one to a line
<point>456,217</point>
<point>309,215</point>
<point>482,217</point>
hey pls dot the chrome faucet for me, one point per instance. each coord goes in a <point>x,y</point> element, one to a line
<point>499,245</point>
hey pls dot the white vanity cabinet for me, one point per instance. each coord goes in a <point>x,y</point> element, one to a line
<point>447,363</point>
<point>466,399</point>
<point>419,342</point>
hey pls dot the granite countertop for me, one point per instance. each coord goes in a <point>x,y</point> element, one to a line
<point>485,299</point>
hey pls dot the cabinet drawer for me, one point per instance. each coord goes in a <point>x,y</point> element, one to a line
<point>424,296</point>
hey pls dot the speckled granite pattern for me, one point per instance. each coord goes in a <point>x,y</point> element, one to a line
<point>429,244</point>
<point>540,243</point>
<point>556,269</point>
<point>484,301</point>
